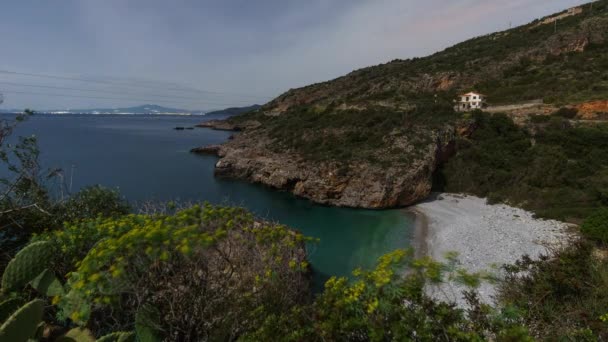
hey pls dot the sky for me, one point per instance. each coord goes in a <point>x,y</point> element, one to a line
<point>208,54</point>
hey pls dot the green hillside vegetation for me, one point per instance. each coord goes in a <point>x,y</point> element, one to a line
<point>528,62</point>
<point>351,118</point>
<point>560,171</point>
<point>357,135</point>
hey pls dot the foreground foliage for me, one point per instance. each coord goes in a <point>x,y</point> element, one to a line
<point>204,273</point>
<point>28,205</point>
<point>213,273</point>
<point>562,298</point>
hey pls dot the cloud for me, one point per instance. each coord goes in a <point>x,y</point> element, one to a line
<point>241,47</point>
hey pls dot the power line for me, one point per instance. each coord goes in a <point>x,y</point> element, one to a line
<point>109,92</point>
<point>113,98</point>
<point>79,79</point>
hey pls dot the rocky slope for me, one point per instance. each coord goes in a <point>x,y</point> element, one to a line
<point>374,137</point>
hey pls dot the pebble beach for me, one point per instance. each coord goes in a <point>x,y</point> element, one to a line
<point>485,237</point>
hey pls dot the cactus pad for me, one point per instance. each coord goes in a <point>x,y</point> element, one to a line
<point>26,265</point>
<point>22,325</point>
<point>8,307</point>
<point>47,284</point>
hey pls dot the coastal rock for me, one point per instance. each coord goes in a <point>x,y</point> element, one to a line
<point>225,125</point>
<point>220,125</point>
<point>209,149</point>
<point>359,184</point>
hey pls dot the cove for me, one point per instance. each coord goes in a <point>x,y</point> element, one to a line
<point>146,159</point>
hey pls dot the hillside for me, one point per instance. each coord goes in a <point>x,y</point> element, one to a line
<point>233,110</point>
<point>374,137</point>
<point>524,63</point>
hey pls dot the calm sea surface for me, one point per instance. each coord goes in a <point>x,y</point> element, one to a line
<point>145,158</point>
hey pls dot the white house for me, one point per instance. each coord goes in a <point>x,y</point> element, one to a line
<point>470,101</point>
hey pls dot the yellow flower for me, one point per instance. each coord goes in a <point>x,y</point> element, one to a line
<point>75,316</point>
<point>371,307</point>
<point>94,277</point>
<point>116,273</point>
<point>185,249</point>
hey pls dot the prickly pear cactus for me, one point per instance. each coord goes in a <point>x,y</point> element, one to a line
<point>26,265</point>
<point>47,284</point>
<point>22,324</point>
<point>8,307</point>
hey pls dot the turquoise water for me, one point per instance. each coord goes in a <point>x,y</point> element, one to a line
<point>145,159</point>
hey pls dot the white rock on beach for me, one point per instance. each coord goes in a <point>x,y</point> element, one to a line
<point>484,236</point>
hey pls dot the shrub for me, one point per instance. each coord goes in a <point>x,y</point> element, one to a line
<point>205,273</point>
<point>560,298</point>
<point>91,202</point>
<point>385,305</point>
<point>539,118</point>
<point>568,113</point>
<point>595,226</point>
<point>562,175</point>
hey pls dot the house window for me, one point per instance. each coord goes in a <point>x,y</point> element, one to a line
<point>467,99</point>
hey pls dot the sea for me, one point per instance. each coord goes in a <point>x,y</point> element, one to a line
<point>146,159</point>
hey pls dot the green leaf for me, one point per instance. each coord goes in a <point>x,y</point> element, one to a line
<point>46,283</point>
<point>77,335</point>
<point>144,324</point>
<point>120,336</point>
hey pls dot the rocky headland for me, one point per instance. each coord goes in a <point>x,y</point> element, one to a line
<point>250,155</point>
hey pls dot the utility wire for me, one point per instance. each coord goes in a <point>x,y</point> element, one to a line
<point>114,98</point>
<point>122,84</point>
<point>110,92</point>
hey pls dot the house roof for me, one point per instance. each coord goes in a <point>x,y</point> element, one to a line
<point>472,93</point>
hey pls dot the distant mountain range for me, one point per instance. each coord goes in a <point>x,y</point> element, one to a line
<point>144,109</point>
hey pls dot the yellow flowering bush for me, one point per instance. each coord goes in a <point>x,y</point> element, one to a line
<point>206,269</point>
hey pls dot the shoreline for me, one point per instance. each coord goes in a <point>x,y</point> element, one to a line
<point>421,232</point>
<point>485,236</point>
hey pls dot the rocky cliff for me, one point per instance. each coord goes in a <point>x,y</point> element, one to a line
<point>357,183</point>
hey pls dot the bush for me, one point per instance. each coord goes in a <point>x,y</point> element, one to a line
<point>537,119</point>
<point>91,202</point>
<point>205,273</point>
<point>562,175</point>
<point>568,113</point>
<point>595,226</point>
<point>560,298</point>
<point>385,305</point>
